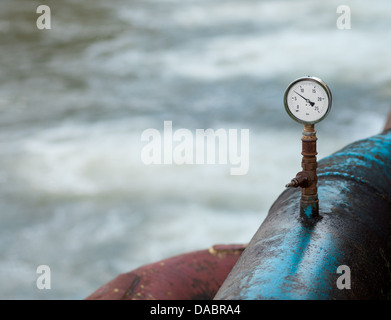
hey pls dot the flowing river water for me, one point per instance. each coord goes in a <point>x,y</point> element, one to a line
<point>76,98</point>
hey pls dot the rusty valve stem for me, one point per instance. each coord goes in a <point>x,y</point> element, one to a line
<point>307,178</point>
<point>301,180</point>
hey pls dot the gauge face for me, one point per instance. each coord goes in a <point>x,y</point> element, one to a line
<point>307,100</point>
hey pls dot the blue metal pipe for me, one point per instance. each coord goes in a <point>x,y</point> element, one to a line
<point>288,259</point>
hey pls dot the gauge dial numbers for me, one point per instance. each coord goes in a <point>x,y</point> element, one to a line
<point>307,100</point>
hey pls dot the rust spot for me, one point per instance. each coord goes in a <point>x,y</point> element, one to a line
<point>130,291</point>
<point>220,249</point>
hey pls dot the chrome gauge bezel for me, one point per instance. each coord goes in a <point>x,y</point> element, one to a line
<point>319,82</point>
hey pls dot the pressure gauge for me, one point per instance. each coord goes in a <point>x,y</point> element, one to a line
<point>307,100</point>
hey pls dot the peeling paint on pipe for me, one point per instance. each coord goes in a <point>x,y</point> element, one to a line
<point>287,259</point>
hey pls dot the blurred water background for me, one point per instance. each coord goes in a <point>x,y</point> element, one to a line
<point>75,99</point>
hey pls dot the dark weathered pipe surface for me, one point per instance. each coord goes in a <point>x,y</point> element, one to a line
<point>287,259</point>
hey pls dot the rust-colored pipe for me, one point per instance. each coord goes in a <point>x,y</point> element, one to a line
<point>307,178</point>
<point>195,275</point>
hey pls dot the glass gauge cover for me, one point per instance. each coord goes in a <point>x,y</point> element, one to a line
<point>307,100</point>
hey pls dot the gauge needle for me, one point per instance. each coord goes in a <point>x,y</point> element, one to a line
<point>307,100</point>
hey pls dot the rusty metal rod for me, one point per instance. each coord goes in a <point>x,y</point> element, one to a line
<point>309,203</point>
<point>307,178</point>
